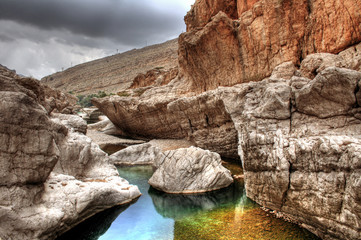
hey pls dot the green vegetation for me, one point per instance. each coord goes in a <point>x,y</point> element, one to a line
<point>123,94</point>
<point>85,100</point>
<point>139,91</point>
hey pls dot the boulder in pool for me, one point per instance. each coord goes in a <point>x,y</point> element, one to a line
<point>190,170</point>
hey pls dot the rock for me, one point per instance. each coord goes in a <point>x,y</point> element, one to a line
<point>170,144</point>
<point>199,55</point>
<point>92,114</point>
<point>154,77</point>
<point>190,170</point>
<point>52,100</point>
<point>170,117</point>
<point>52,176</point>
<point>109,143</point>
<point>203,10</point>
<point>316,63</point>
<point>142,154</point>
<point>330,94</point>
<point>352,57</point>
<point>304,160</point>
<point>106,126</point>
<point>73,122</point>
<point>285,70</point>
<point>262,35</point>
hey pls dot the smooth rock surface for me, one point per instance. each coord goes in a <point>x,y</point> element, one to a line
<point>190,170</point>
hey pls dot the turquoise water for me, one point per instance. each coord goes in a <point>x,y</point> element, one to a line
<point>223,214</point>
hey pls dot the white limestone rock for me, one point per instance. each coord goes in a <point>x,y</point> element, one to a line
<point>52,176</point>
<point>190,170</point>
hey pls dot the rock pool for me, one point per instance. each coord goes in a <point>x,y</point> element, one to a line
<point>222,214</point>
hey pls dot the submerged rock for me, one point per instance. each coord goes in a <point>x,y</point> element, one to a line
<point>190,170</point>
<point>52,176</point>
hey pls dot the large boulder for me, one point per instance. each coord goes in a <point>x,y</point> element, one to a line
<point>52,176</point>
<point>190,170</point>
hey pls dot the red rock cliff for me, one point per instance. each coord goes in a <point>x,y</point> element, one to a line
<point>230,42</point>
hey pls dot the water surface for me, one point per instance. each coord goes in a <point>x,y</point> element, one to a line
<point>222,214</point>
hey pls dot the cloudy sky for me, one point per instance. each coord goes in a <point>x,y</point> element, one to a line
<point>40,37</point>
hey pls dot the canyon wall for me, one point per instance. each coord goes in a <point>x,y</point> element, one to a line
<point>297,134</point>
<point>52,176</point>
<point>230,42</point>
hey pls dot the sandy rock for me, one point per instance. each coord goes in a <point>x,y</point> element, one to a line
<point>142,154</point>
<point>190,170</point>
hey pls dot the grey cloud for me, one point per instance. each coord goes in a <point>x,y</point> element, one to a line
<point>125,21</point>
<point>39,37</point>
<point>4,38</point>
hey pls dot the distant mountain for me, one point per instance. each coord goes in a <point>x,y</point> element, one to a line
<point>114,73</point>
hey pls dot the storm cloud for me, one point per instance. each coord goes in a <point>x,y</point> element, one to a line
<point>82,30</point>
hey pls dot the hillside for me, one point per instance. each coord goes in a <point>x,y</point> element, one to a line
<point>114,73</point>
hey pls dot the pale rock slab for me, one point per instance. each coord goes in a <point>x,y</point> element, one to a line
<point>141,154</point>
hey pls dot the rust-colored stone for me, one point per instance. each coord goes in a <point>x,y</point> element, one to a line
<point>203,10</point>
<point>267,33</point>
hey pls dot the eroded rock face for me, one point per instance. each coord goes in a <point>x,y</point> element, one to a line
<point>202,120</point>
<point>307,160</point>
<point>190,170</point>
<point>52,176</point>
<point>265,34</point>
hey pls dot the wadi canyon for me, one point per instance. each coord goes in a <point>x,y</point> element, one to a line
<point>275,84</point>
<point>272,84</point>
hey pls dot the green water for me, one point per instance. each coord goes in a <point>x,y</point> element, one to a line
<point>223,214</point>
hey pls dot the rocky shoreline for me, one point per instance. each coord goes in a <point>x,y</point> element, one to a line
<point>52,176</point>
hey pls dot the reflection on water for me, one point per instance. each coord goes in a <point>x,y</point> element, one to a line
<point>178,206</point>
<point>222,214</point>
<point>95,226</point>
